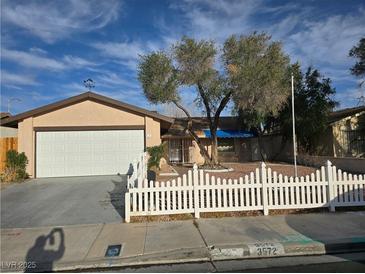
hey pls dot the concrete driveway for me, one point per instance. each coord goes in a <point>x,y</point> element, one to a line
<point>63,201</point>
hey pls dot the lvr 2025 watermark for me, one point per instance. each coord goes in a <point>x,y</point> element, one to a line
<point>14,265</point>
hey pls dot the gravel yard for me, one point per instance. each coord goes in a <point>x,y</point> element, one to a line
<point>241,169</point>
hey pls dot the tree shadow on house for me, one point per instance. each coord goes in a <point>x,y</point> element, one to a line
<point>39,257</point>
<point>117,194</point>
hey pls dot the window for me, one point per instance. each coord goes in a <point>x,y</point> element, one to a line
<point>225,144</point>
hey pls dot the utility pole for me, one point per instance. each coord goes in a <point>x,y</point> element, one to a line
<point>293,118</point>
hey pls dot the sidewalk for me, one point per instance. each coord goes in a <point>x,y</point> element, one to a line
<point>184,241</point>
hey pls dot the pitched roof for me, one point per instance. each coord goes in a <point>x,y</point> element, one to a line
<point>13,120</point>
<point>343,113</point>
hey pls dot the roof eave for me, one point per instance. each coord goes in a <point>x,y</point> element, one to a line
<point>79,98</point>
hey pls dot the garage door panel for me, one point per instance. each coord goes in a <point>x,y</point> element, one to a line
<point>79,153</point>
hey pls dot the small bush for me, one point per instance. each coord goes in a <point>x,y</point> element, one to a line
<point>156,153</point>
<point>15,166</point>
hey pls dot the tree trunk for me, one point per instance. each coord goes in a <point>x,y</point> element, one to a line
<point>214,147</point>
<point>261,148</point>
<point>213,125</point>
<point>203,150</point>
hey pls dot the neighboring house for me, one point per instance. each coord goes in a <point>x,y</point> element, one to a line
<point>232,140</point>
<point>7,131</point>
<point>344,136</point>
<point>347,131</point>
<point>88,134</point>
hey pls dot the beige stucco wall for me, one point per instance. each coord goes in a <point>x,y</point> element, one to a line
<point>26,142</point>
<point>153,131</point>
<point>86,113</point>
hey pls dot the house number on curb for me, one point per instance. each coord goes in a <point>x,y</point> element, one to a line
<point>266,249</point>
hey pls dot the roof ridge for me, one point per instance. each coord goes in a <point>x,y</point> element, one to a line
<point>81,97</point>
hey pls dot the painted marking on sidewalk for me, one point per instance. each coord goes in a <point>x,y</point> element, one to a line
<point>266,249</point>
<point>297,238</point>
<point>228,252</point>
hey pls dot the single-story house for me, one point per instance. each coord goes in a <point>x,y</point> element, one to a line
<point>232,140</point>
<point>88,134</point>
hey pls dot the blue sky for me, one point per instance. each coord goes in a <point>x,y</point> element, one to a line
<point>49,47</point>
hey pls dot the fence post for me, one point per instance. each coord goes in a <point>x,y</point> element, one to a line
<point>127,206</point>
<point>129,182</point>
<point>141,165</point>
<point>196,191</point>
<point>144,165</point>
<point>330,195</point>
<point>265,201</point>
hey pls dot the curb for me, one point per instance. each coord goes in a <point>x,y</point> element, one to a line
<point>170,257</point>
<point>285,249</point>
<point>246,251</point>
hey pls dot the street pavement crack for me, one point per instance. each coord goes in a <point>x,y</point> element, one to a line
<point>92,244</point>
<point>145,237</point>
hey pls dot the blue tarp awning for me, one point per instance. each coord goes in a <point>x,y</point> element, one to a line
<point>230,133</point>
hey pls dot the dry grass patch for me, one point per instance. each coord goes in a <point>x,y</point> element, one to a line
<point>212,215</point>
<point>242,169</point>
<point>231,214</point>
<point>161,218</point>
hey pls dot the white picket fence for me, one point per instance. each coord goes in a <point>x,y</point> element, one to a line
<point>139,172</point>
<point>260,190</point>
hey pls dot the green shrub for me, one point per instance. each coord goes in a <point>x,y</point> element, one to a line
<point>156,153</point>
<point>15,166</point>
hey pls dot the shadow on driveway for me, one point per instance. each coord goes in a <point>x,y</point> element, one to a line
<point>117,195</point>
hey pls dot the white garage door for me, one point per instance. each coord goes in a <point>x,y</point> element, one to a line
<point>80,153</point>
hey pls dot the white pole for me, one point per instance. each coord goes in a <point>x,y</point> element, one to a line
<point>293,118</point>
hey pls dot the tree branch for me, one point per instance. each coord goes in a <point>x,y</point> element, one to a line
<point>220,108</point>
<point>182,108</point>
<point>206,102</point>
<point>192,133</point>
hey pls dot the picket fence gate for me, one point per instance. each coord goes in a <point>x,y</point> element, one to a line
<point>263,189</point>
